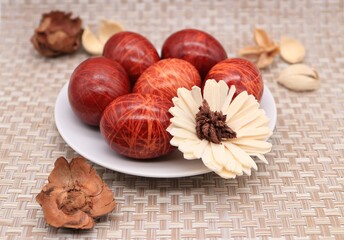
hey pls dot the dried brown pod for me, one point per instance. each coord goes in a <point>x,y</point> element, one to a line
<point>75,195</point>
<point>57,34</point>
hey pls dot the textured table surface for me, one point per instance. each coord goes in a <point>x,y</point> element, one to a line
<point>299,195</point>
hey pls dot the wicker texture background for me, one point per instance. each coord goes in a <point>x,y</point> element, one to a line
<point>299,195</point>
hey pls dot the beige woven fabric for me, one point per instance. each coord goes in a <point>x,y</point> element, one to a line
<point>299,195</point>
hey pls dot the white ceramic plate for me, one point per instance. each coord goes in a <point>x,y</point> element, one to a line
<point>89,143</point>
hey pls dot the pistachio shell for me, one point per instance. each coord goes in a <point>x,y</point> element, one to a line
<point>107,29</point>
<point>91,43</point>
<point>250,50</point>
<point>265,51</point>
<point>299,77</point>
<point>300,83</point>
<point>262,38</point>
<point>264,60</point>
<point>273,49</point>
<point>299,69</point>
<point>94,44</point>
<point>292,51</point>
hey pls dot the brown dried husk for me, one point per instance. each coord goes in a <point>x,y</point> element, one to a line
<point>75,195</point>
<point>57,34</point>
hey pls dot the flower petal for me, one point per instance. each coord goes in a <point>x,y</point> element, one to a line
<point>242,121</point>
<point>251,104</point>
<point>260,133</point>
<point>189,156</point>
<point>197,95</point>
<point>228,99</point>
<point>261,157</point>
<point>241,155</point>
<point>183,123</point>
<point>179,113</point>
<point>236,104</point>
<point>189,146</point>
<point>176,141</point>
<point>224,173</point>
<point>199,150</point>
<point>61,175</point>
<point>211,94</point>
<point>208,159</point>
<point>182,105</point>
<point>182,133</point>
<point>223,88</point>
<point>247,170</point>
<point>232,164</point>
<point>189,101</point>
<point>262,120</point>
<point>83,174</point>
<point>219,153</point>
<point>254,146</point>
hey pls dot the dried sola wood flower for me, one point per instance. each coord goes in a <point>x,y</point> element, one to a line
<point>225,133</point>
<point>57,34</point>
<point>74,195</point>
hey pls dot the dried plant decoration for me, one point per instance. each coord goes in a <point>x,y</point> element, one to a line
<point>75,195</point>
<point>91,43</point>
<point>57,34</point>
<point>222,130</point>
<point>292,50</point>
<point>94,44</point>
<point>264,52</point>
<point>262,38</point>
<point>108,28</point>
<point>299,77</point>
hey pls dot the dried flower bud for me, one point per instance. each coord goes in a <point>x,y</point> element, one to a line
<point>74,195</point>
<point>57,34</point>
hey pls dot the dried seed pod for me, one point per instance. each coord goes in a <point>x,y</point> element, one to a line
<point>262,38</point>
<point>94,44</point>
<point>57,34</point>
<point>74,195</point>
<point>263,53</point>
<point>91,43</point>
<point>108,28</point>
<point>251,50</point>
<point>292,50</point>
<point>299,77</point>
<point>266,58</point>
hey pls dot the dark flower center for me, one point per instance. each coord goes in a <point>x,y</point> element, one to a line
<point>212,125</point>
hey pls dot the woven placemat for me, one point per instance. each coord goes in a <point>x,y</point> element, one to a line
<point>299,195</point>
